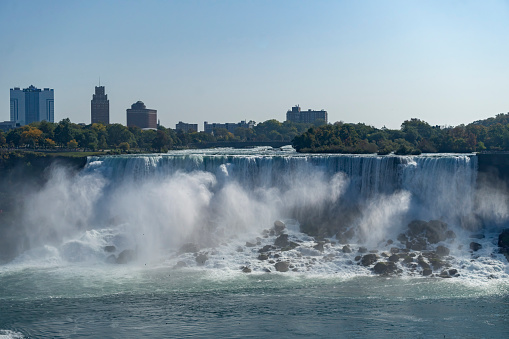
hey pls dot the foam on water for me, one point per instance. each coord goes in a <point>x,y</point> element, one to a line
<point>221,199</point>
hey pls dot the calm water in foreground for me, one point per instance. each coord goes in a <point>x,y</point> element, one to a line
<point>70,302</point>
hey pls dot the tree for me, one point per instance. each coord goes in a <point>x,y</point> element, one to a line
<point>72,144</point>
<point>31,136</point>
<point>161,141</point>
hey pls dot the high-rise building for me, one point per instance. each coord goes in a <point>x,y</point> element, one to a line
<point>139,115</point>
<point>32,104</point>
<point>100,107</point>
<point>309,116</point>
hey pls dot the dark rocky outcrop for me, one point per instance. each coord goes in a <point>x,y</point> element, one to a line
<point>126,256</point>
<point>246,269</point>
<point>385,268</point>
<point>319,246</point>
<point>282,241</point>
<point>282,266</point>
<point>474,246</point>
<point>442,251</point>
<point>503,243</point>
<point>180,264</point>
<point>369,259</point>
<point>110,248</point>
<point>266,248</point>
<point>201,259</point>
<point>263,257</point>
<point>279,227</point>
<point>346,249</point>
<point>426,272</point>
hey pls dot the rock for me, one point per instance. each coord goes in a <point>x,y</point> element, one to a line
<point>384,268</point>
<point>265,248</point>
<point>442,251</point>
<point>436,263</point>
<point>362,250</point>
<point>424,265</point>
<point>263,257</point>
<point>347,249</point>
<point>282,241</point>
<point>319,246</point>
<point>240,249</point>
<point>266,270</point>
<point>369,259</point>
<point>477,236</point>
<point>389,242</point>
<point>110,248</point>
<point>201,258</point>
<point>250,244</point>
<point>111,259</point>
<point>453,272</point>
<point>246,269</point>
<point>189,248</point>
<point>426,272</point>
<point>450,234</point>
<point>394,250</point>
<point>503,240</point>
<point>279,226</point>
<point>394,258</point>
<point>126,256</point>
<point>180,264</point>
<point>444,274</point>
<point>408,259</point>
<point>357,258</point>
<point>290,246</point>
<point>402,238</point>
<point>433,231</point>
<point>474,246</point>
<point>282,266</point>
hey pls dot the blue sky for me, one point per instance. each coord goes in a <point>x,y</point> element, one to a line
<point>378,62</point>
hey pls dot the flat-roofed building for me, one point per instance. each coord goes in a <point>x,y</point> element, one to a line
<point>141,116</point>
<point>230,126</point>
<point>308,117</point>
<point>186,128</point>
<point>31,104</point>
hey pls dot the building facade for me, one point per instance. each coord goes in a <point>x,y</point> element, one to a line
<point>32,104</point>
<point>308,117</point>
<point>230,126</point>
<point>100,107</point>
<point>186,128</point>
<point>140,116</point>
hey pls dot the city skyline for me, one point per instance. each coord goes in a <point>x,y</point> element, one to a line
<point>379,63</point>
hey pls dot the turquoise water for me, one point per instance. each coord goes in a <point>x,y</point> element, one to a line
<point>130,302</point>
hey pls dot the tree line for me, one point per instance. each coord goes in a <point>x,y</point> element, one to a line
<point>414,137</point>
<point>95,137</point>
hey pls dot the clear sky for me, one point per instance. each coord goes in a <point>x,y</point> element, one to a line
<point>377,62</point>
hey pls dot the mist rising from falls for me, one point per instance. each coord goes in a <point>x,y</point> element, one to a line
<point>158,202</point>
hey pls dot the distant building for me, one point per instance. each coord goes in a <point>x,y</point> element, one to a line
<point>8,125</point>
<point>139,115</point>
<point>32,104</point>
<point>100,107</point>
<point>230,126</point>
<point>309,116</point>
<point>186,128</point>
